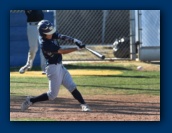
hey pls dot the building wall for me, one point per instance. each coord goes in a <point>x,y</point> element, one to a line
<point>18,39</point>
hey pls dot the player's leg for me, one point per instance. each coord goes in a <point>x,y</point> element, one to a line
<point>32,35</point>
<point>31,100</point>
<point>33,44</point>
<point>55,80</point>
<point>71,86</point>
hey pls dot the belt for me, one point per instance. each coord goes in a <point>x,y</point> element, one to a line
<point>54,63</point>
<point>33,23</point>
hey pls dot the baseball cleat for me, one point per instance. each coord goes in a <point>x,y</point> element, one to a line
<point>23,69</point>
<point>26,104</point>
<point>43,72</point>
<point>85,108</point>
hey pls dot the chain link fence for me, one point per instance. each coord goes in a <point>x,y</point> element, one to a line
<point>107,31</point>
<point>98,29</point>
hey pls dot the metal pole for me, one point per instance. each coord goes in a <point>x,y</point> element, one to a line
<point>105,13</point>
<point>132,35</point>
<point>54,15</point>
<point>139,32</point>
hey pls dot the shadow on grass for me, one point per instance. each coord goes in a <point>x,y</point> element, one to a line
<point>120,88</point>
<point>73,66</point>
<point>31,82</point>
<point>120,76</point>
<point>16,69</point>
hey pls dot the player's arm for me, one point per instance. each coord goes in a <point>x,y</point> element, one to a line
<point>66,50</point>
<point>69,39</point>
<point>56,49</point>
<point>63,37</point>
<point>61,51</point>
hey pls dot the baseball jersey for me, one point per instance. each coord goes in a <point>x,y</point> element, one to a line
<point>50,48</point>
<point>34,15</point>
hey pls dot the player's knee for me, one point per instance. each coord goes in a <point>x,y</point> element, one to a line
<point>51,96</point>
<point>71,87</point>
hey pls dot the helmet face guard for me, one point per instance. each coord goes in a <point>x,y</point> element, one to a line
<point>45,27</point>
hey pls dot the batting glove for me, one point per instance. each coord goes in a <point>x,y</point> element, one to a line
<point>79,43</point>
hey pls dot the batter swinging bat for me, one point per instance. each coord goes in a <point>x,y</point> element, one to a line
<point>96,53</point>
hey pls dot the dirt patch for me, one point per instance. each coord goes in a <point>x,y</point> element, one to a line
<point>104,108</point>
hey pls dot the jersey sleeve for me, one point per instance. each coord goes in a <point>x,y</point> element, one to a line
<point>63,37</point>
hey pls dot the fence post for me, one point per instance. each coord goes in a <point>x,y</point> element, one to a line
<point>105,13</point>
<point>132,35</point>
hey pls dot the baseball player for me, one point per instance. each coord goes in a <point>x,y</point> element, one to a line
<point>33,17</point>
<point>57,74</point>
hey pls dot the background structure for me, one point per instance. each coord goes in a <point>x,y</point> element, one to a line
<point>98,29</point>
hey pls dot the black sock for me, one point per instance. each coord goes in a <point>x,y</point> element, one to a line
<point>43,97</point>
<point>77,95</point>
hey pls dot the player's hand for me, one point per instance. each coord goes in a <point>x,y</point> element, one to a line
<point>79,43</point>
<point>81,47</point>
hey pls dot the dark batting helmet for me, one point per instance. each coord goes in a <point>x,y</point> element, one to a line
<point>45,27</point>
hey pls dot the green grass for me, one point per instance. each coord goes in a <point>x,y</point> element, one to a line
<point>130,82</point>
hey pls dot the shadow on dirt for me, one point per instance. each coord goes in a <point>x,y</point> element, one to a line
<point>98,105</point>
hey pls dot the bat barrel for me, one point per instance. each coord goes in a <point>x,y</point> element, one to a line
<point>96,53</point>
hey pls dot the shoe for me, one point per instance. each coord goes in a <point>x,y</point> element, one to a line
<point>23,69</point>
<point>85,108</point>
<point>26,104</point>
<point>43,72</point>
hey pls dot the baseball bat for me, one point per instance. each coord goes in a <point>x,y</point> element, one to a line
<point>96,53</point>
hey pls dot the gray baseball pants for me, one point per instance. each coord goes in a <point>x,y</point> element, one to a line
<point>58,75</point>
<point>33,38</point>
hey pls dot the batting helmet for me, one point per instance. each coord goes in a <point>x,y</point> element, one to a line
<point>45,27</point>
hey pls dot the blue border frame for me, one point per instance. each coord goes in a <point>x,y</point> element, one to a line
<point>122,127</point>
